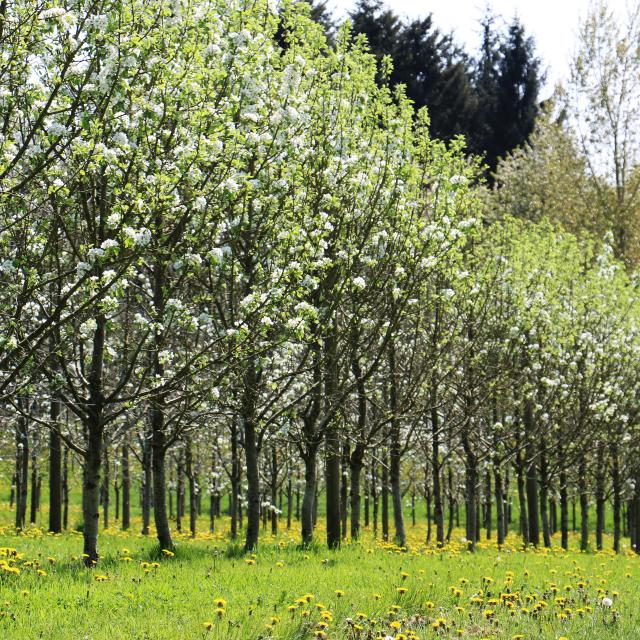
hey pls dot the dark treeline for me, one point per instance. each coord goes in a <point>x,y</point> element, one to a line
<point>491,97</point>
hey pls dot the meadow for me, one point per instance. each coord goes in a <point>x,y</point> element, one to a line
<point>207,589</point>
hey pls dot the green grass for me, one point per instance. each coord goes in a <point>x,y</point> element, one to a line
<point>129,599</point>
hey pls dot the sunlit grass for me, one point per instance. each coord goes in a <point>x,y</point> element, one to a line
<point>366,590</point>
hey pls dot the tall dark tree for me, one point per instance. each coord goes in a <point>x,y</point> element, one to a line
<point>437,75</point>
<point>435,72</point>
<point>482,140</point>
<point>507,83</point>
<point>519,80</point>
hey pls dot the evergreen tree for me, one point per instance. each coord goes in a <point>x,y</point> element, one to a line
<point>435,72</point>
<point>507,85</point>
<point>481,140</point>
<point>518,86</point>
<point>381,26</point>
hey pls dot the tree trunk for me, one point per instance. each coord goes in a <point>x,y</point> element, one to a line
<point>544,497</point>
<point>497,487</point>
<point>374,494</point>
<point>289,501</point>
<point>105,485</point>
<point>395,453</point>
<point>33,512</point>
<point>235,478</point>
<point>367,501</point>
<point>584,504</point>
<point>126,487</point>
<point>180,490</point>
<point>146,482</point>
<point>274,491</point>
<point>65,489</point>
<point>438,511</point>
<point>532,477</point>
<point>452,502</point>
<point>161,519</point>
<point>116,492</point>
<point>251,456</point>
<point>91,491</point>
<point>471,479</point>
<point>385,498</point>
<point>55,469</point>
<point>488,516</point>
<point>22,470</point>
<point>193,491</point>
<point>308,500</point>
<point>600,495</point>
<point>617,496</point>
<point>356,464</point>
<point>344,490</point>
<point>564,510</point>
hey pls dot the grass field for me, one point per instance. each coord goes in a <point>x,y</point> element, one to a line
<point>366,590</point>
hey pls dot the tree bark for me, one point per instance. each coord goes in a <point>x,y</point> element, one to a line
<point>22,469</point>
<point>617,496</point>
<point>385,498</point>
<point>356,464</point>
<point>309,495</point>
<point>55,469</point>
<point>126,487</point>
<point>584,504</point>
<point>531,477</point>
<point>91,491</point>
<point>438,511</point>
<point>497,487</point>
<point>544,497</point>
<point>600,495</point>
<point>564,510</point>
<point>193,491</point>
<point>235,478</point>
<point>251,452</point>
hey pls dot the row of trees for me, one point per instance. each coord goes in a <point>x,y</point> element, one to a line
<point>229,250</point>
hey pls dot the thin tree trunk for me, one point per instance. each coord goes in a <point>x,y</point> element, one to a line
<point>617,496</point>
<point>470,490</point>
<point>584,504</point>
<point>22,470</point>
<point>235,478</point>
<point>544,496</point>
<point>564,510</point>
<point>105,485</point>
<point>356,464</point>
<point>91,491</point>
<point>600,495</point>
<point>385,498</point>
<point>344,490</point>
<point>55,469</point>
<point>452,503</point>
<point>126,487</point>
<point>274,491</point>
<point>147,473</point>
<point>33,512</point>
<point>531,477</point>
<point>438,511</point>
<point>308,500</point>
<point>251,456</point>
<point>193,497</point>
<point>497,487</point>
<point>289,501</point>
<point>65,489</point>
